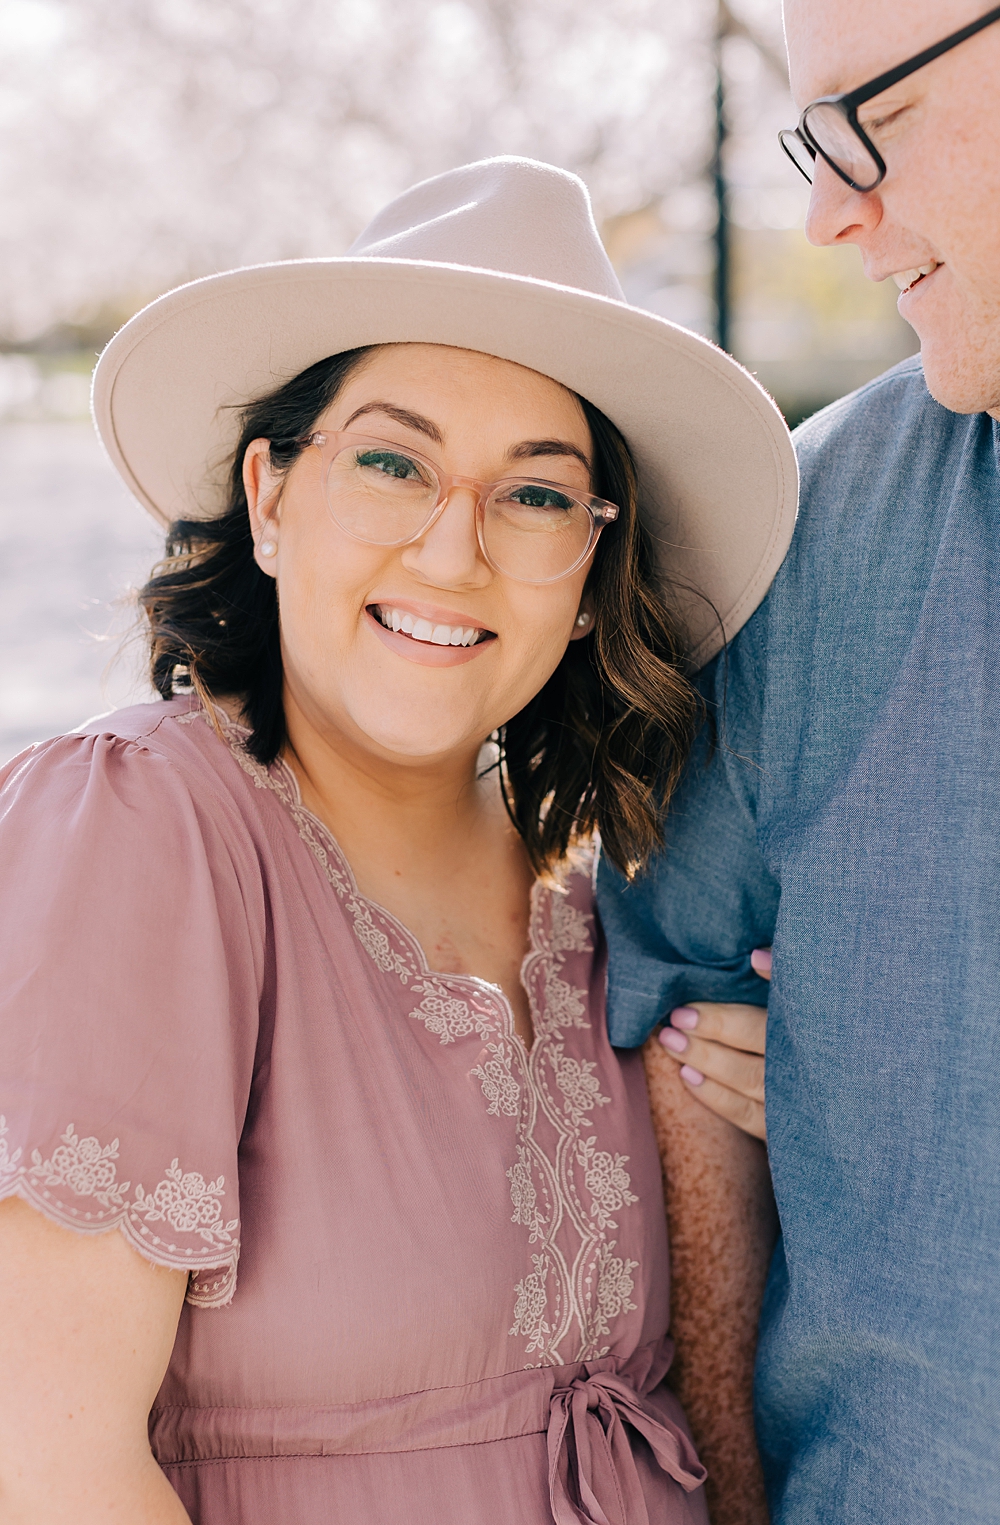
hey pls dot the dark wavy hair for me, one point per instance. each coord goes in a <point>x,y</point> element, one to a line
<point>601,746</point>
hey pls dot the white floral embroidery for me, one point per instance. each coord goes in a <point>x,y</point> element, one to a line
<point>380,943</point>
<point>607,1180</point>
<point>499,1086</point>
<point>531,1304</point>
<point>87,1173</point>
<point>444,1014</point>
<point>560,1004</point>
<point>524,1196</point>
<point>570,927</point>
<point>565,1189</point>
<point>578,1083</point>
<point>564,1004</point>
<point>83,1166</point>
<point>8,1161</point>
<point>614,1288</point>
<point>583,1294</point>
<point>190,1204</point>
<point>374,942</point>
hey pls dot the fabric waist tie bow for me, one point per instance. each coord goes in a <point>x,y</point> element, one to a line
<point>593,1478</point>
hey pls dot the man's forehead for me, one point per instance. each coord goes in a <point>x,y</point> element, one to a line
<point>836,45</point>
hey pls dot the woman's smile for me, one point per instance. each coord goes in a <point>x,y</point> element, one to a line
<point>426,634</point>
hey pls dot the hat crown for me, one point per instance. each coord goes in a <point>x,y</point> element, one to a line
<point>512,215</point>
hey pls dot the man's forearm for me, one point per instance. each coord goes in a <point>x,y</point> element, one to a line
<point>723,1226</point>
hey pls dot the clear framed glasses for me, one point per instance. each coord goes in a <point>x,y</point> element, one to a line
<point>829,128</point>
<point>531,530</point>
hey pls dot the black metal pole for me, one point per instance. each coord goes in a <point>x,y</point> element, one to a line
<point>722,245</point>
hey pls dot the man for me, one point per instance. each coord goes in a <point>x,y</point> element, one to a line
<point>850,814</point>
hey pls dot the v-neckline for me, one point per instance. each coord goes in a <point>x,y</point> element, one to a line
<point>281,780</point>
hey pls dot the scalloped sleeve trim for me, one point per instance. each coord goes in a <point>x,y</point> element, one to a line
<point>180,1223</point>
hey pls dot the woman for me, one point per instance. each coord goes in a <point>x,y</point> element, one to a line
<point>296,975</point>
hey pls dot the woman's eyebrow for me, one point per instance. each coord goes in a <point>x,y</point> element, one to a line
<point>534,447</point>
<point>525,451</point>
<point>401,416</point>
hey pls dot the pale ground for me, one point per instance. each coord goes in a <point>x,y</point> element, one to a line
<point>72,542</point>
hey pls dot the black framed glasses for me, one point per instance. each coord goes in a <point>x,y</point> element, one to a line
<point>829,127</point>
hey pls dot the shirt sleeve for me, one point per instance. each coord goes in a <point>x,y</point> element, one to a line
<point>684,930</point>
<point>129,993</point>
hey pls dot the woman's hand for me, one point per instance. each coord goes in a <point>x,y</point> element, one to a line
<point>720,1050</point>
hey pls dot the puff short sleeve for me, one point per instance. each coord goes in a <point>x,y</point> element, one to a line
<point>130,975</point>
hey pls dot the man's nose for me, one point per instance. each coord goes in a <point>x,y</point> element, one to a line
<point>449,554</point>
<point>838,215</point>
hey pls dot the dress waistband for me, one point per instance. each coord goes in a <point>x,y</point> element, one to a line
<point>582,1407</point>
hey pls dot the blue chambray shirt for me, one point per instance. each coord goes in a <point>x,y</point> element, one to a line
<point>851,815</point>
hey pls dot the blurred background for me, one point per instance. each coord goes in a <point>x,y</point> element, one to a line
<point>152,141</point>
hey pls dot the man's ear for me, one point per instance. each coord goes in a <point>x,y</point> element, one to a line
<point>263,489</point>
<point>584,622</point>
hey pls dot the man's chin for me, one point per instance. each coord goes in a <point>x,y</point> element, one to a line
<point>961,382</point>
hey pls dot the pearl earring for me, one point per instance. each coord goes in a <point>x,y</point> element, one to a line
<point>268,548</point>
<point>583,619</point>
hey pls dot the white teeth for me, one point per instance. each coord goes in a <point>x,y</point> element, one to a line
<point>423,630</point>
<point>906,278</point>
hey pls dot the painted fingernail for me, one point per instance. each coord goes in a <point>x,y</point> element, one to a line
<point>760,960</point>
<point>675,1042</point>
<point>691,1075</point>
<point>685,1017</point>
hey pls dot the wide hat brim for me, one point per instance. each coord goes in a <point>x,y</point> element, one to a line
<point>717,473</point>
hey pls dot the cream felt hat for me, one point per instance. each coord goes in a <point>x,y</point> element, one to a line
<point>503,257</point>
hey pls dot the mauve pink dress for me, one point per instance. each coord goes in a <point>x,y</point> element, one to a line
<point>453,1286</point>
